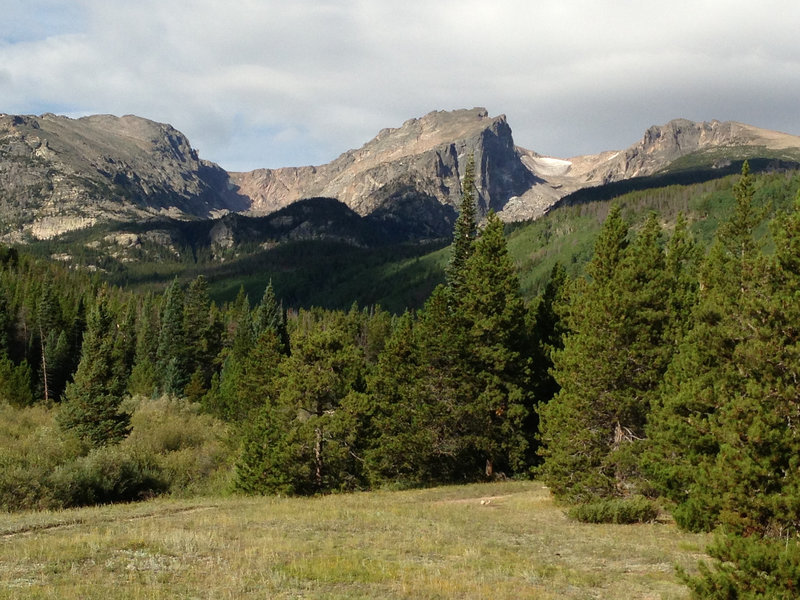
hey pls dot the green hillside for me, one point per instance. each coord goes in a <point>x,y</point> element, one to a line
<point>350,264</point>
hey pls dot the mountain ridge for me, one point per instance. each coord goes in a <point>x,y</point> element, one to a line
<point>59,174</point>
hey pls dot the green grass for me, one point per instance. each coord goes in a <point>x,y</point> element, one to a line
<point>503,540</point>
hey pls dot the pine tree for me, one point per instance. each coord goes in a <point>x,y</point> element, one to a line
<point>48,322</point>
<point>494,316</point>
<point>406,432</point>
<point>465,232</point>
<point>172,350</point>
<point>15,382</point>
<point>549,330</point>
<point>312,450</point>
<point>706,374</point>
<point>93,398</point>
<point>610,368</point>
<point>683,259</point>
<point>197,328</point>
<point>144,377</point>
<point>269,314</point>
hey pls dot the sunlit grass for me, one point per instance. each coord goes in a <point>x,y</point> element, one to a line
<point>436,543</point>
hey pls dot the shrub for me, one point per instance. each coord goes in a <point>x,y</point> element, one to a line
<point>31,448</point>
<point>189,447</point>
<point>616,510</point>
<point>748,569</point>
<point>173,448</point>
<point>107,474</point>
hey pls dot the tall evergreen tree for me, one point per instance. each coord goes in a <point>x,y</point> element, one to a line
<point>466,230</point>
<point>172,350</point>
<point>549,330</point>
<point>197,328</point>
<point>403,432</point>
<point>93,399</point>
<point>15,382</point>
<point>269,314</point>
<point>49,326</point>
<point>313,450</point>
<point>610,368</point>
<point>494,315</point>
<point>144,376</point>
<point>705,374</point>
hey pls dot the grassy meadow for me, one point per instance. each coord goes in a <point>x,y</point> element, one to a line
<point>502,540</point>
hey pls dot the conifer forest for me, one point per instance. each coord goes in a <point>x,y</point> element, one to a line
<point>662,375</point>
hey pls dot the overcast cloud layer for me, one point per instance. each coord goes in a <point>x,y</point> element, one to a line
<point>268,83</point>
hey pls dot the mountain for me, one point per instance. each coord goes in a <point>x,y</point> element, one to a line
<point>665,148</point>
<point>59,174</point>
<point>424,157</point>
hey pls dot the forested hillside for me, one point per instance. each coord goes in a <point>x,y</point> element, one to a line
<point>662,374</point>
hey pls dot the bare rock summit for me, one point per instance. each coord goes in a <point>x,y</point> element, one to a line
<point>425,156</point>
<point>58,174</point>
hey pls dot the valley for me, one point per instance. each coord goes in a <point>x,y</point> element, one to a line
<point>435,324</point>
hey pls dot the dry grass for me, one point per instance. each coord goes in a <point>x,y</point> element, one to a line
<point>437,543</point>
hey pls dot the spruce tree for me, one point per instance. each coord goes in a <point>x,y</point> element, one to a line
<point>748,482</point>
<point>15,382</point>
<point>197,328</point>
<point>302,442</point>
<point>144,376</point>
<point>49,325</point>
<point>269,314</point>
<point>465,232</point>
<point>549,329</point>
<point>498,340</point>
<point>610,368</point>
<point>706,374</point>
<point>92,406</point>
<point>443,393</point>
<point>418,401</point>
<point>172,351</point>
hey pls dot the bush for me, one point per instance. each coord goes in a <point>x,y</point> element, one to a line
<point>189,447</point>
<point>31,448</point>
<point>107,474</point>
<point>748,569</point>
<point>173,448</point>
<point>616,510</point>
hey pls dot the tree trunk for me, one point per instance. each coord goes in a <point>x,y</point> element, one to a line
<point>44,366</point>
<point>318,458</point>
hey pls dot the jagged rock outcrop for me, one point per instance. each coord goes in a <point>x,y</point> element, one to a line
<point>58,174</point>
<point>661,145</point>
<point>426,155</point>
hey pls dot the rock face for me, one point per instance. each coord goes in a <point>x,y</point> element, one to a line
<point>58,174</point>
<point>662,145</point>
<point>425,155</point>
<point>425,158</point>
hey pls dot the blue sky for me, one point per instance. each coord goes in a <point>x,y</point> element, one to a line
<point>267,83</point>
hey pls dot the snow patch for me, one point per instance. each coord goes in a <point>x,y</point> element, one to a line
<point>548,166</point>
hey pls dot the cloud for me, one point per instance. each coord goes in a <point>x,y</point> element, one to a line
<point>269,83</point>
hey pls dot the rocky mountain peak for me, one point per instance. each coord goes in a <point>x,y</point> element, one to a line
<point>661,145</point>
<point>426,155</point>
<point>58,174</point>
